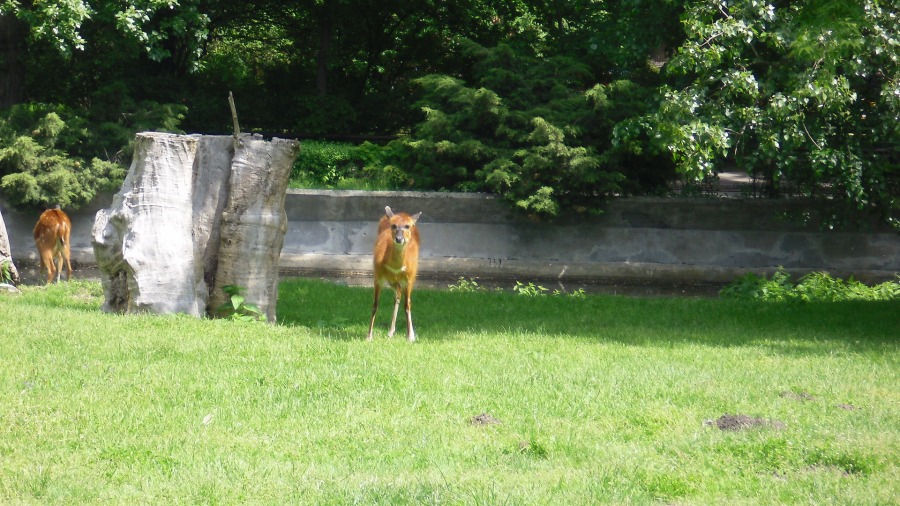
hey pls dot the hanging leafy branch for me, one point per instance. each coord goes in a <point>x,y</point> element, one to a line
<point>804,95</point>
<point>150,23</point>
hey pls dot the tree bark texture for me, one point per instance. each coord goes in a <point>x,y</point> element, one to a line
<point>6,253</point>
<point>326,27</point>
<point>195,214</point>
<point>254,222</point>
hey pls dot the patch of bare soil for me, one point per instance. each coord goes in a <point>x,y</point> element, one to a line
<point>848,407</point>
<point>744,422</point>
<point>821,468</point>
<point>797,396</point>
<point>483,419</point>
<point>30,273</point>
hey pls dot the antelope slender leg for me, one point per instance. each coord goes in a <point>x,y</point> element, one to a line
<point>47,261</point>
<point>410,333</point>
<point>68,260</point>
<point>374,310</point>
<point>396,308</point>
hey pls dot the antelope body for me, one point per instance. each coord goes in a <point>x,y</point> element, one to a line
<point>51,236</point>
<point>396,261</point>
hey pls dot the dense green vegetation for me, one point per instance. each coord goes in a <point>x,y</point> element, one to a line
<point>814,287</point>
<point>556,105</point>
<point>343,166</point>
<point>505,399</point>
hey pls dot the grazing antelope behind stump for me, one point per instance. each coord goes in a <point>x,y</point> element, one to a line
<point>396,262</point>
<point>51,235</point>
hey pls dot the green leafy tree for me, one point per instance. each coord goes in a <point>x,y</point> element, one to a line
<point>158,27</point>
<point>327,67</point>
<point>51,154</point>
<point>805,95</point>
<point>85,56</point>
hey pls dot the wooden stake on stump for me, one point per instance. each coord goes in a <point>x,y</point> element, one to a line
<point>237,129</point>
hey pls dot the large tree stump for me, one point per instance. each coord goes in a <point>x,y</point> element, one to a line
<point>254,222</point>
<point>144,243</point>
<point>195,214</point>
<point>6,254</point>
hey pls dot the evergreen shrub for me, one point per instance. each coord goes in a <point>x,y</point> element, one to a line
<point>52,154</point>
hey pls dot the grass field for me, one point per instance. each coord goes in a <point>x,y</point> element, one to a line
<point>504,399</point>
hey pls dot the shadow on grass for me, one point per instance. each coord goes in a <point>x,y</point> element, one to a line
<point>342,313</point>
<point>659,321</point>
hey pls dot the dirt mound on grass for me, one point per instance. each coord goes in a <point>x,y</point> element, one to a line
<point>744,422</point>
<point>483,419</point>
<point>797,396</point>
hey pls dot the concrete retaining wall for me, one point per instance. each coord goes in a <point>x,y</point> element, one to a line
<point>474,235</point>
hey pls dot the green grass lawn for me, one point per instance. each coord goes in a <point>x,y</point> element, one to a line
<point>601,399</point>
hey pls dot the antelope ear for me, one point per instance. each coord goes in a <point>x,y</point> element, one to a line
<point>415,217</point>
<point>388,212</point>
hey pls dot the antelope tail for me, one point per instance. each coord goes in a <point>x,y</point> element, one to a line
<point>60,231</point>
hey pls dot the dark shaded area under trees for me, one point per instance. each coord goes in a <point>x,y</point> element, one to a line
<point>555,104</point>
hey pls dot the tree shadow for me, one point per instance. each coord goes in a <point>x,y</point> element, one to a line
<point>786,328</point>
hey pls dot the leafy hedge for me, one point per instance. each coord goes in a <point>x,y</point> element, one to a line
<point>814,287</point>
<point>339,166</point>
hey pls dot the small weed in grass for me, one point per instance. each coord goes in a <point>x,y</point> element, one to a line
<point>237,308</point>
<point>5,271</point>
<point>529,290</point>
<point>466,285</point>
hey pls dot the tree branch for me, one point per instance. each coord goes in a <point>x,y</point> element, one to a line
<point>234,118</point>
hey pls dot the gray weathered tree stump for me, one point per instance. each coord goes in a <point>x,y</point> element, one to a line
<point>6,253</point>
<point>195,213</point>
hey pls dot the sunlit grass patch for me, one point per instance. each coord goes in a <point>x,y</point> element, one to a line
<point>594,399</point>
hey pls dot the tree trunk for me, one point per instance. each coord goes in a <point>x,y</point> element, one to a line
<point>254,223</point>
<point>212,177</point>
<point>143,243</point>
<point>6,254</point>
<point>13,36</point>
<point>327,27</point>
<point>193,216</point>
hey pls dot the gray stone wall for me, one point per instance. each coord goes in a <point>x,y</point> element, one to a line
<point>473,235</point>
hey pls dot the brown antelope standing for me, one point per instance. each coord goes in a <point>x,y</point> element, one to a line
<point>396,263</point>
<point>51,235</point>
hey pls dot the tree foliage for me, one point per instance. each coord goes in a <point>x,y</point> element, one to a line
<point>155,26</point>
<point>554,104</point>
<point>802,94</point>
<point>49,155</point>
<point>516,130</point>
<point>73,139</point>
